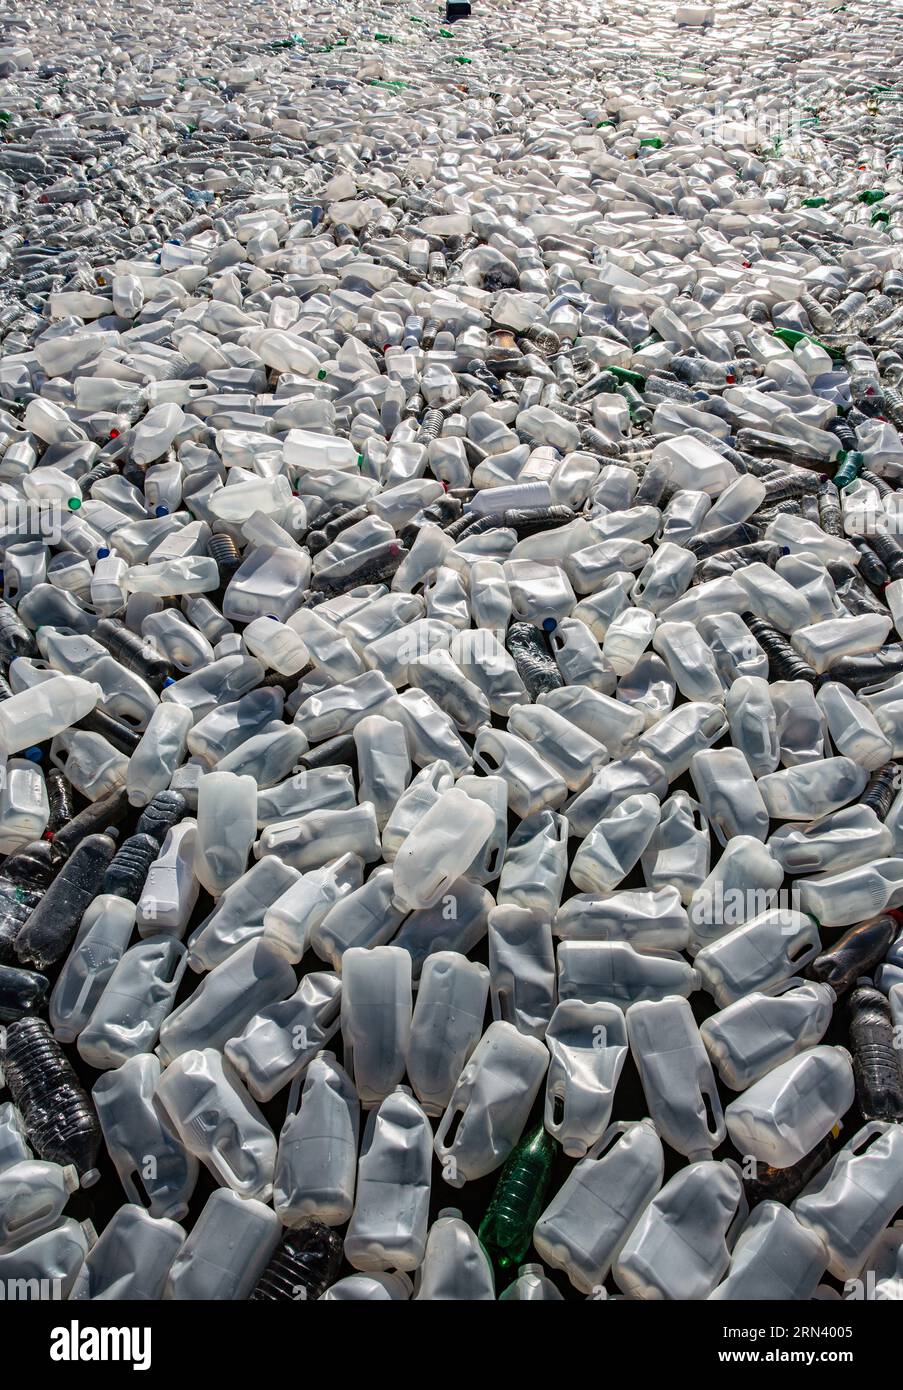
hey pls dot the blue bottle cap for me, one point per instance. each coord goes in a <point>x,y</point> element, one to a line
<point>34,755</point>
<point>549,624</point>
<point>161,510</point>
<point>168,681</point>
<point>103,552</point>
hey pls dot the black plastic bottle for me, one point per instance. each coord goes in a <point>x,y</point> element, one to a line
<point>783,1184</point>
<point>135,653</point>
<point>723,538</point>
<point>48,933</point>
<point>60,1120</point>
<point>61,795</point>
<point>526,521</point>
<point>331,753</point>
<point>115,731</point>
<point>24,879</point>
<point>856,672</point>
<point>127,871</point>
<point>763,552</point>
<point>15,637</point>
<point>109,809</point>
<point>784,663</point>
<point>304,1265</point>
<point>881,790</point>
<point>876,1061</point>
<point>21,992</point>
<point>856,952</point>
<point>161,814</point>
<point>531,654</point>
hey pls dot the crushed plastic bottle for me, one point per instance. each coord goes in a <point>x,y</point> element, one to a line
<point>450,599</point>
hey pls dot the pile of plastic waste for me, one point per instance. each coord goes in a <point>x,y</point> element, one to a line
<point>452,590</point>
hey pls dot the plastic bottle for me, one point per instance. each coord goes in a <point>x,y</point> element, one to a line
<point>759,1031</point>
<point>217,1122</point>
<point>131,1258</point>
<point>490,1103</point>
<point>48,931</point>
<point>303,1265</point>
<point>876,1060</point>
<point>676,1076</point>
<point>316,1164</point>
<point>388,1227</point>
<point>781,1117</point>
<point>139,1140</point>
<point>226,1251</point>
<point>60,1121</point>
<point>678,1249</point>
<point>455,1266</point>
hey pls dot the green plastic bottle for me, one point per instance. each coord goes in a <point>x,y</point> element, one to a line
<point>638,408</point>
<point>870,196</point>
<point>507,1228</point>
<point>792,336</point>
<point>627,377</point>
<point>851,465</point>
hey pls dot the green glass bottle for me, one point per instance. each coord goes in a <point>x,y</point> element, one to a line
<point>507,1228</point>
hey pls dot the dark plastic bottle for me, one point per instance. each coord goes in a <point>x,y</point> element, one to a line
<point>128,869</point>
<point>764,552</point>
<point>888,550</point>
<point>48,933</point>
<point>121,735</point>
<point>60,1120</point>
<point>784,663</point>
<point>304,1265</point>
<point>526,521</point>
<point>15,638</point>
<point>856,953</point>
<point>331,753</point>
<point>856,672</point>
<point>881,790</point>
<point>374,569</point>
<point>222,548</point>
<point>723,538</point>
<point>783,1184</point>
<point>109,809</point>
<point>21,992</point>
<point>531,654</point>
<point>24,879</point>
<point>61,795</point>
<point>160,814</point>
<point>876,1061</point>
<point>135,653</point>
<point>871,567</point>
